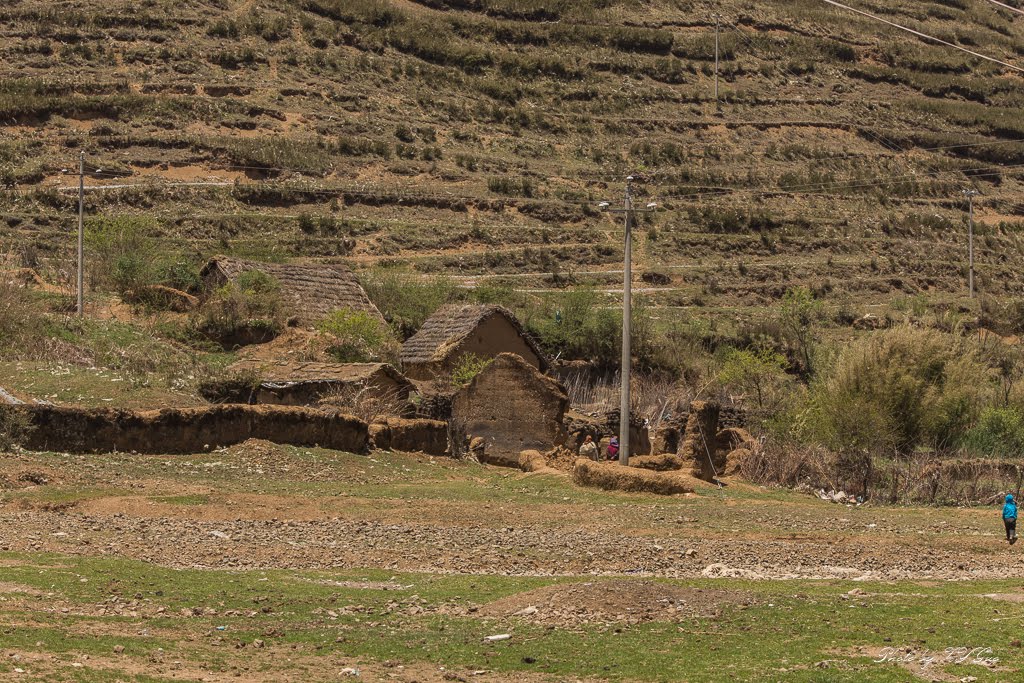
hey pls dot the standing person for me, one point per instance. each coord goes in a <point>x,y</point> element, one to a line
<point>613,448</point>
<point>588,449</point>
<point>1010,518</point>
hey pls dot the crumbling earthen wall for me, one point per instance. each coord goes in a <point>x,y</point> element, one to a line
<point>512,407</point>
<point>414,436</point>
<point>699,446</point>
<point>186,430</point>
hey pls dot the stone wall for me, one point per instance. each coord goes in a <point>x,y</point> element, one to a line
<point>186,430</point>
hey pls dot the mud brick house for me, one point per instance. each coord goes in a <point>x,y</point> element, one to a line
<point>310,292</point>
<point>301,384</point>
<point>512,407</point>
<point>455,331</point>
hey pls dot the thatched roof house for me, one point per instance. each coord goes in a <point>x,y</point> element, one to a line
<point>310,292</point>
<point>292,383</point>
<point>457,330</point>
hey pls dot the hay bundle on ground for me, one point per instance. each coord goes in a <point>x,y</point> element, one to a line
<point>611,477</point>
<point>665,462</point>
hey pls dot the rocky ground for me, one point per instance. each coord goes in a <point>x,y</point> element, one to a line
<point>262,562</point>
<point>333,511</point>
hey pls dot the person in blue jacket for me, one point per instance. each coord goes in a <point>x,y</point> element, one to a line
<point>1010,518</point>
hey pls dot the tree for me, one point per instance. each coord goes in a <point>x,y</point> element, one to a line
<point>754,371</point>
<point>798,314</point>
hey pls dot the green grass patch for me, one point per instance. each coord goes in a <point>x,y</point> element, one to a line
<point>789,629</point>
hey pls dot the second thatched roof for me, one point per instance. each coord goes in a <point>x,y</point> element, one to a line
<point>445,331</point>
<point>310,291</point>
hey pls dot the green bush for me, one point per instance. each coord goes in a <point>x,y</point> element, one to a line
<point>900,389</point>
<point>245,310</point>
<point>124,256</point>
<point>14,427</point>
<point>999,432</point>
<point>120,252</point>
<point>358,337</point>
<point>758,371</point>
<point>576,325</point>
<point>468,367</point>
<point>21,325</point>
<point>405,299</point>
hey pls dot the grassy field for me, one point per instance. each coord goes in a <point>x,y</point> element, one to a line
<point>267,563</point>
<point>82,619</point>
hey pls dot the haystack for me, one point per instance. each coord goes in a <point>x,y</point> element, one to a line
<point>613,477</point>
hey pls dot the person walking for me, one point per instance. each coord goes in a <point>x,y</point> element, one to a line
<point>588,449</point>
<point>1010,518</point>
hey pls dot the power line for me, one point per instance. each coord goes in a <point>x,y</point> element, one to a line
<point>924,35</point>
<point>887,145</point>
<point>1005,6</point>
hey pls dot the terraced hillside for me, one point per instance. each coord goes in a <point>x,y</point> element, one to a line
<point>475,138</point>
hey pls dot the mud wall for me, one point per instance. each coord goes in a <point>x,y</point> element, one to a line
<point>186,430</point>
<point>413,436</point>
<point>513,408</point>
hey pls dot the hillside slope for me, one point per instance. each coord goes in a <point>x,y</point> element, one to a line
<point>475,138</point>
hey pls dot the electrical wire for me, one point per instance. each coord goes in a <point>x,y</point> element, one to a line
<point>924,35</point>
<point>1005,6</point>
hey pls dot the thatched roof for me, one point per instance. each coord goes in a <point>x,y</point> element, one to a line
<point>310,292</point>
<point>289,372</point>
<point>444,331</point>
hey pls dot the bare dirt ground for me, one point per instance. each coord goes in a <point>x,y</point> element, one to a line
<point>261,562</point>
<point>263,506</point>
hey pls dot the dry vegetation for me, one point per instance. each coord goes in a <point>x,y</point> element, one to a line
<point>456,150</point>
<point>474,139</point>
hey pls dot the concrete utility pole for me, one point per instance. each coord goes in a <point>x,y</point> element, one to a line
<point>81,235</point>
<point>627,320</point>
<point>718,18</point>
<point>970,194</point>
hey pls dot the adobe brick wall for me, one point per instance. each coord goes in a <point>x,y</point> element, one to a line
<point>186,430</point>
<point>513,408</point>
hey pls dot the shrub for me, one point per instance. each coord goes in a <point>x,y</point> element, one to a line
<point>244,311</point>
<point>577,326</point>
<point>759,371</point>
<point>121,252</point>
<point>999,432</point>
<point>469,366</point>
<point>358,337</point>
<point>898,389</point>
<point>21,325</point>
<point>798,315</point>
<point>406,300</point>
<point>14,427</point>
